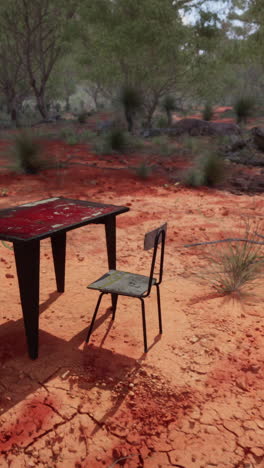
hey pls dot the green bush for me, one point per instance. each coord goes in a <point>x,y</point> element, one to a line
<point>244,108</point>
<point>161,122</point>
<point>143,171</point>
<point>208,112</point>
<point>168,104</point>
<point>87,136</point>
<point>233,266</point>
<point>208,171</point>
<point>27,152</point>
<point>82,117</point>
<point>116,140</point>
<point>72,140</point>
<point>162,145</point>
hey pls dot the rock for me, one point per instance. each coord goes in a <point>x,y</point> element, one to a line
<point>152,132</point>
<point>198,127</point>
<point>258,137</point>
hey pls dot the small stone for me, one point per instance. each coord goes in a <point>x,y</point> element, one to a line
<point>8,275</point>
<point>65,375</point>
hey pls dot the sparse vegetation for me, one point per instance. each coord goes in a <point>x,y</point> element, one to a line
<point>82,117</point>
<point>143,171</point>
<point>27,153</point>
<point>208,171</point>
<point>168,104</point>
<point>208,112</point>
<point>244,108</point>
<point>233,266</point>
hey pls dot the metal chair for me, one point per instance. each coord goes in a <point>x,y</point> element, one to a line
<point>134,285</point>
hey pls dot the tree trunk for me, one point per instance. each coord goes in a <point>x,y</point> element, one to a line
<point>14,116</point>
<point>129,119</point>
<point>169,117</point>
<point>67,107</point>
<point>41,104</point>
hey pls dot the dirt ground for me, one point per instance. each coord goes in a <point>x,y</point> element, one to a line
<point>196,399</point>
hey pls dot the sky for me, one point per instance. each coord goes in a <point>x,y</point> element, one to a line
<point>212,5</point>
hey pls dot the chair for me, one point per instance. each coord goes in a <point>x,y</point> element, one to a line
<point>134,285</point>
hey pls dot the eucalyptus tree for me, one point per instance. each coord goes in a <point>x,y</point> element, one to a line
<point>38,38</point>
<point>136,43</point>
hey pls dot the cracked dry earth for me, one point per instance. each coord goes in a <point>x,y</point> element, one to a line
<point>195,400</point>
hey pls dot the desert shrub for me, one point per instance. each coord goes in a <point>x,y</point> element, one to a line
<point>190,144</point>
<point>160,122</point>
<point>234,265</point>
<point>244,108</point>
<point>208,112</point>
<point>194,177</point>
<point>212,167</point>
<point>27,153</point>
<point>82,117</point>
<point>72,140</point>
<point>161,145</point>
<point>208,171</point>
<point>143,171</point>
<point>65,133</point>
<point>87,136</point>
<point>116,139</point>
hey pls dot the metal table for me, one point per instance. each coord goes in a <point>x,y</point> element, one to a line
<point>25,225</point>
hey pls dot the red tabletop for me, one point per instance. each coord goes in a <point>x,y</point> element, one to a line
<point>42,218</point>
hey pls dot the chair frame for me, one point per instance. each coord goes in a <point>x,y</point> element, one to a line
<point>152,240</point>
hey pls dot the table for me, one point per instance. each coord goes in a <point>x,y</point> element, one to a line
<point>25,225</point>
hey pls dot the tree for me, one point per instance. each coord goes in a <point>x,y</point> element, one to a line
<point>12,71</point>
<point>38,27</point>
<point>135,43</point>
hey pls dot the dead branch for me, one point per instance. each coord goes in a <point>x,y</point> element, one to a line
<point>226,240</point>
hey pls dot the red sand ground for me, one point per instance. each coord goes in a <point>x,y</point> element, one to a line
<point>195,400</point>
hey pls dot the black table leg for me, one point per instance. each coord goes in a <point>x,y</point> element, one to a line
<point>58,244</point>
<point>27,256</point>
<point>110,232</point>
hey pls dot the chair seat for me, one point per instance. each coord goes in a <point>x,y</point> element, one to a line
<point>122,282</point>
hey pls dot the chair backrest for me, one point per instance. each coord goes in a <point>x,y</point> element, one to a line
<point>151,241</point>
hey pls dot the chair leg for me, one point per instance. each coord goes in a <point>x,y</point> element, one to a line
<point>114,309</point>
<point>94,317</point>
<point>159,308</point>
<point>144,325</point>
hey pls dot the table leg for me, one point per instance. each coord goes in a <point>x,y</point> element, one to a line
<point>110,232</point>
<point>58,244</point>
<point>27,256</point>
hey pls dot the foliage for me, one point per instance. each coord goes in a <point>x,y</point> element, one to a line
<point>114,140</point>
<point>208,171</point>
<point>236,265</point>
<point>137,43</point>
<point>82,117</point>
<point>208,112</point>
<point>162,146</point>
<point>27,152</point>
<point>143,171</point>
<point>168,104</point>
<point>244,108</point>
<point>131,100</point>
<point>160,122</point>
